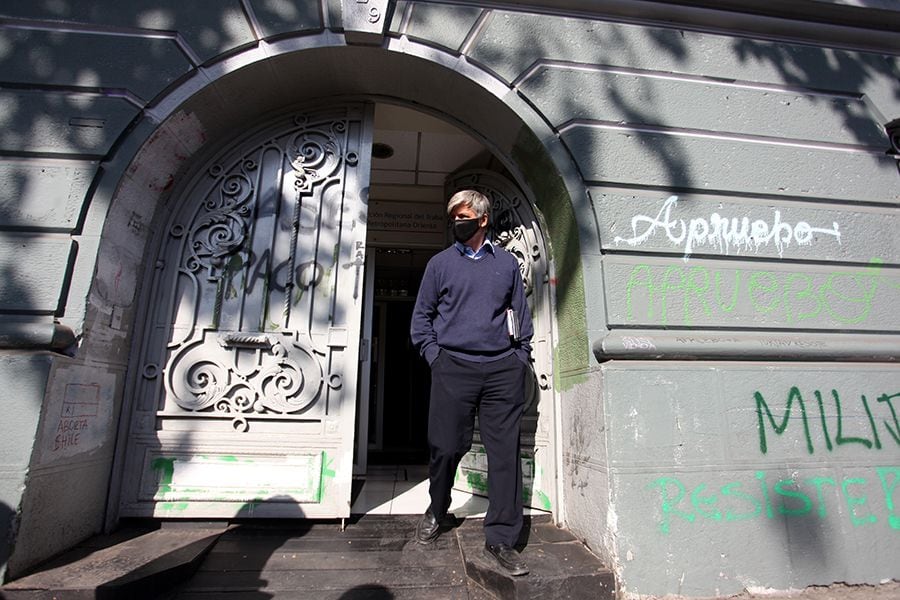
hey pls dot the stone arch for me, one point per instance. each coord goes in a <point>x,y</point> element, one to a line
<point>215,102</point>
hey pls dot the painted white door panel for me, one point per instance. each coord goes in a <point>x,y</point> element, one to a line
<point>245,398</point>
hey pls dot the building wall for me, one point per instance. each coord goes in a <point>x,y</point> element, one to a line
<point>726,394</point>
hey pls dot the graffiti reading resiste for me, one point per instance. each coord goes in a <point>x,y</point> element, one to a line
<point>870,496</point>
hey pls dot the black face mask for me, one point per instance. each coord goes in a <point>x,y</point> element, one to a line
<point>464,229</point>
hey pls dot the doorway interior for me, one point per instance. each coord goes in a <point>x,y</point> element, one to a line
<point>413,155</point>
<point>417,160</point>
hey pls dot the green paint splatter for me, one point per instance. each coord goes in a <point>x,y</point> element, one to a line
<point>228,458</point>
<point>327,472</point>
<point>166,469</point>
<point>543,499</point>
<point>564,246</point>
<point>477,481</point>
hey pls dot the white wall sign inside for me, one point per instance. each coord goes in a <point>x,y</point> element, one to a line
<point>407,223</point>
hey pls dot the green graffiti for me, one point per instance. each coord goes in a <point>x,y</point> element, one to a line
<point>761,405</point>
<point>730,490</point>
<point>818,482</point>
<point>669,503</point>
<point>543,499</point>
<point>888,487</point>
<point>867,501</point>
<point>764,291</point>
<point>895,432</point>
<point>840,439</point>
<point>787,488</point>
<point>828,443</point>
<point>854,501</point>
<point>173,506</point>
<point>559,213</point>
<point>845,297</point>
<point>705,505</point>
<point>469,476</point>
<point>326,474</point>
<point>765,416</point>
<point>761,477</point>
<point>477,481</point>
<point>166,469</point>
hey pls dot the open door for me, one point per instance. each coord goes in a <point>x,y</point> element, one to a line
<point>244,394</point>
<point>515,227</point>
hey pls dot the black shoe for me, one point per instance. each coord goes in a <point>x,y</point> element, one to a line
<point>428,528</point>
<point>508,558</point>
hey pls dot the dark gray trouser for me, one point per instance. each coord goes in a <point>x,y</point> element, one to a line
<point>495,389</point>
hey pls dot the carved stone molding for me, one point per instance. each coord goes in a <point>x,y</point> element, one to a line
<point>364,20</point>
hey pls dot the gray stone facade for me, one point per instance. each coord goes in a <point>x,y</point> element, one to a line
<point>719,194</point>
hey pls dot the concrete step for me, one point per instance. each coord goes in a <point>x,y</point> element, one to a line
<point>560,566</point>
<point>372,557</point>
<point>132,564</point>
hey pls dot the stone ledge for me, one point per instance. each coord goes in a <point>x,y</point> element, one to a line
<point>560,565</point>
<point>133,568</point>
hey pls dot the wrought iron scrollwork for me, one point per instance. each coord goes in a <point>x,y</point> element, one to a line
<point>244,374</point>
<point>315,156</point>
<point>514,242</point>
<point>222,228</point>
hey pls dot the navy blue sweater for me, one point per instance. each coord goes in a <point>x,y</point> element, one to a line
<point>461,307</point>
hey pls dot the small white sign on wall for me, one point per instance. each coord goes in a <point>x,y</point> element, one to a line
<point>407,224</point>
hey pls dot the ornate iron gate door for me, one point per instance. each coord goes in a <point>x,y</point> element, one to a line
<point>245,399</point>
<point>515,227</point>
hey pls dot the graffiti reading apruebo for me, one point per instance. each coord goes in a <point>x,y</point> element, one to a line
<point>724,234</point>
<point>844,296</point>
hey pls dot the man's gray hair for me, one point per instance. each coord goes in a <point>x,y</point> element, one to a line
<point>477,201</point>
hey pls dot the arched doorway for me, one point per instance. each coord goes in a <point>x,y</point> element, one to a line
<point>198,120</point>
<point>265,288</point>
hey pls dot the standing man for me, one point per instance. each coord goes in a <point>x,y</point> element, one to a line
<point>472,324</point>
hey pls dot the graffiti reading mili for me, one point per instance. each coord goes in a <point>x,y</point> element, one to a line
<point>724,234</point>
<point>866,497</point>
<point>871,442</point>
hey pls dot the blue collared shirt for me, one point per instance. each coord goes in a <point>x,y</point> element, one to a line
<point>465,250</point>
